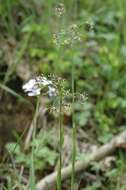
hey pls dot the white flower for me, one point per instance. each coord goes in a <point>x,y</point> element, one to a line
<point>34,86</point>
<point>45,81</point>
<point>34,92</point>
<point>29,85</point>
<point>51,91</point>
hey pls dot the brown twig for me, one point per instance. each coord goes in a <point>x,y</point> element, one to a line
<point>49,181</point>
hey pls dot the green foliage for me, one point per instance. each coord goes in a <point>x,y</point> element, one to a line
<point>94,186</point>
<point>42,154</point>
<point>83,113</point>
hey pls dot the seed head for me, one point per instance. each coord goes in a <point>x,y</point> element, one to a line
<point>60,10</point>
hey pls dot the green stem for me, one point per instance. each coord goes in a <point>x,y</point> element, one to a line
<point>74,128</point>
<point>36,116</point>
<point>73,132</point>
<point>60,144</point>
<point>32,168</point>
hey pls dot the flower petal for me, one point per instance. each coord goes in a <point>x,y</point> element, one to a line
<point>30,84</point>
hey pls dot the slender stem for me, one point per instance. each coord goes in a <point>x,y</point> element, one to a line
<point>74,128</point>
<point>60,144</point>
<point>36,116</point>
<point>32,169</point>
<point>32,129</point>
<point>73,132</point>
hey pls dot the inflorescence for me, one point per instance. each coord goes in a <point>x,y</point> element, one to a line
<point>35,86</point>
<point>53,87</point>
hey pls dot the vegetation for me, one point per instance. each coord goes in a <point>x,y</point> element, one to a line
<point>81,47</point>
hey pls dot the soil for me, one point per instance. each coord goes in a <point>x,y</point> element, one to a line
<point>15,117</point>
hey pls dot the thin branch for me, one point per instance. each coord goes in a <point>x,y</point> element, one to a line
<point>117,142</point>
<point>32,127</point>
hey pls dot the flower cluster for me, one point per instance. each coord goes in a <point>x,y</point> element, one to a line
<point>34,86</point>
<point>60,10</point>
<point>67,37</point>
<point>53,87</point>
